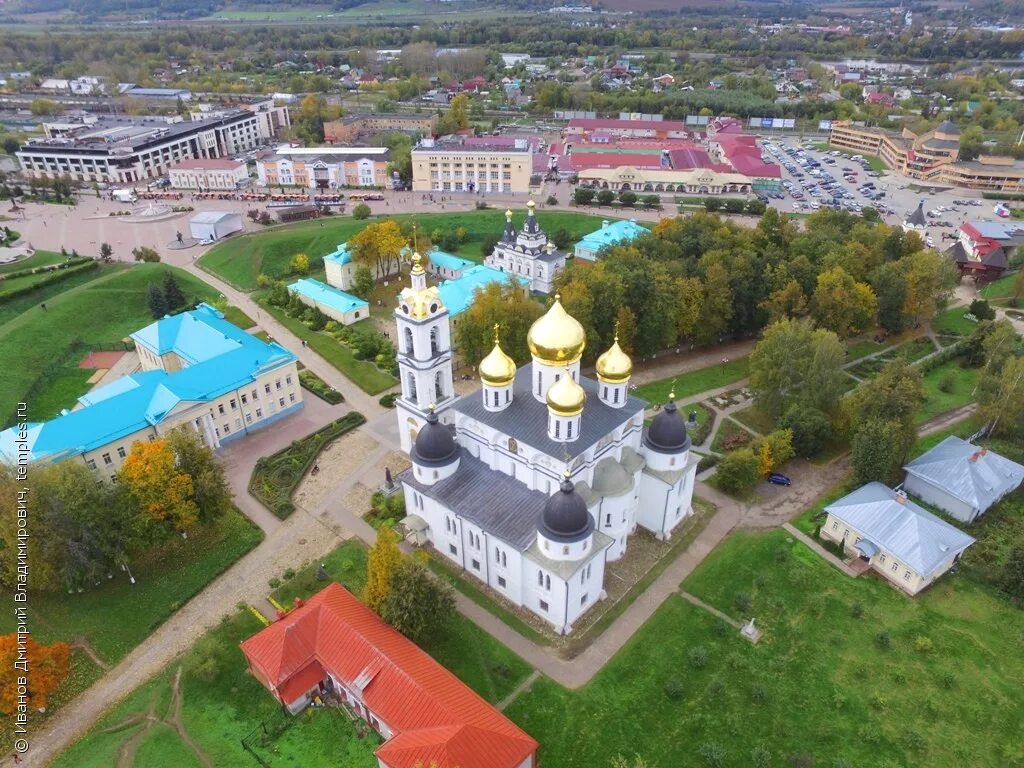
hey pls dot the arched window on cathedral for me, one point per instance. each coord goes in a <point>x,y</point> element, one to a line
<point>408,340</point>
<point>438,388</point>
<point>434,344</point>
<point>412,388</point>
<point>539,383</point>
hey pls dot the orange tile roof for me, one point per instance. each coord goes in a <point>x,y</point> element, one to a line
<point>433,715</point>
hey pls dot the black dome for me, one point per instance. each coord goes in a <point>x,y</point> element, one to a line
<point>667,433</point>
<point>566,518</point>
<point>434,446</point>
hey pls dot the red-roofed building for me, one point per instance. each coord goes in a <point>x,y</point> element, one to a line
<point>336,646</point>
<point>741,152</point>
<point>474,84</point>
<point>637,129</point>
<point>884,99</point>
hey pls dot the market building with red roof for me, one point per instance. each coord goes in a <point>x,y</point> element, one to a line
<point>334,646</point>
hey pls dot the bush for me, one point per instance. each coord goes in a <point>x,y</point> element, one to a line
<point>388,400</point>
<point>713,754</point>
<point>627,198</point>
<point>697,657</point>
<point>605,197</point>
<point>361,211</point>
<point>734,206</point>
<point>947,383</point>
<point>274,583</point>
<point>760,756</point>
<point>981,310</point>
<point>883,640</point>
<point>712,204</point>
<point>737,471</point>
<point>651,201</point>
<point>552,200</point>
<point>923,644</point>
<point>742,602</point>
<point>857,610</point>
<point>674,689</point>
<point>583,195</point>
<point>811,429</point>
<point>562,238</point>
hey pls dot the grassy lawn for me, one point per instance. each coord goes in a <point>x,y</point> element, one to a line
<point>959,381</point>
<point>863,349</point>
<point>238,317</point>
<point>729,429</point>
<point>963,428</point>
<point>222,703</point>
<point>241,260</point>
<point>37,344</point>
<point>953,323</point>
<point>756,419</point>
<point>817,684</point>
<point>1000,289</point>
<point>11,308</point>
<point>59,391</point>
<point>694,382</point>
<point>116,616</point>
<point>24,282</point>
<point>363,374</point>
<point>37,259</point>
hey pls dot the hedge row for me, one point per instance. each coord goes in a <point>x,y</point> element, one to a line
<point>320,388</point>
<point>48,268</point>
<point>275,477</point>
<point>56,277</point>
<point>1001,196</point>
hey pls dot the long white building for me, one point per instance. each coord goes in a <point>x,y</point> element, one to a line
<point>536,480</point>
<point>128,150</point>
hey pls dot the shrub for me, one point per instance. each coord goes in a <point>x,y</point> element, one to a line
<point>883,640</point>
<point>923,644</point>
<point>274,583</point>
<point>759,694</point>
<point>674,689</point>
<point>981,310</point>
<point>760,756</point>
<point>947,383</point>
<point>712,204</point>
<point>562,238</point>
<point>737,471</point>
<point>583,195</point>
<point>948,680</point>
<point>742,601</point>
<point>552,200</point>
<point>627,198</point>
<point>388,400</point>
<point>856,610</point>
<point>698,657</point>
<point>361,211</point>
<point>811,429</point>
<point>487,245</point>
<point>605,197</point>
<point>800,760</point>
<point>288,574</point>
<point>482,205</point>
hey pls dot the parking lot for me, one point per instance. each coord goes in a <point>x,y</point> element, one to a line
<point>813,179</point>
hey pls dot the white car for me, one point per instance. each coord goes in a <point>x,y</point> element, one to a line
<point>206,241</point>
<point>929,241</point>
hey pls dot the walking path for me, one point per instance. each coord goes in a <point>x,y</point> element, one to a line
<point>694,600</point>
<point>504,703</point>
<point>828,556</point>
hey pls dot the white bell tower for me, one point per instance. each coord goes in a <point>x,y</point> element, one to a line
<point>424,351</point>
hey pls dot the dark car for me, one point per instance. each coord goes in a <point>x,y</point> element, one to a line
<point>776,478</point>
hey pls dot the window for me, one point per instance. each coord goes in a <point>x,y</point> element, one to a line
<point>835,526</point>
<point>453,549</point>
<point>476,565</point>
<point>568,430</point>
<point>91,463</point>
<point>544,606</point>
<point>540,578</point>
<point>277,383</point>
<point>259,413</point>
<point>606,393</point>
<point>547,582</point>
<point>616,394</point>
<point>291,397</point>
<point>113,478</point>
<point>497,554</point>
<point>504,560</point>
<point>501,581</point>
<point>255,395</point>
<point>248,418</point>
<point>107,459</point>
<point>895,567</point>
<point>588,569</point>
<point>121,452</point>
<point>238,423</point>
<point>539,377</point>
<point>266,388</point>
<point>220,409</point>
<point>558,425</point>
<point>495,398</point>
<point>227,429</point>
<point>583,600</point>
<point>280,401</point>
<point>583,577</point>
<point>288,380</point>
<point>233,404</point>
<point>448,524</point>
<point>906,576</point>
<point>608,519</point>
<point>565,549</point>
<point>881,559</point>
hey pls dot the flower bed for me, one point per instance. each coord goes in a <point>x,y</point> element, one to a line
<point>276,477</point>
<point>319,387</point>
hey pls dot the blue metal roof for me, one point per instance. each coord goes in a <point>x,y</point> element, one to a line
<point>340,255</point>
<point>194,336</point>
<point>911,534</point>
<point>447,260</point>
<point>145,399</point>
<point>612,233</point>
<point>327,295</point>
<point>457,294</point>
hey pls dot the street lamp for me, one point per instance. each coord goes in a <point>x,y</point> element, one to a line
<point>124,567</point>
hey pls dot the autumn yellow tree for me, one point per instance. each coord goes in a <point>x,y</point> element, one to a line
<point>788,301</point>
<point>765,465</point>
<point>383,558</point>
<point>47,668</point>
<point>161,490</point>
<point>299,264</point>
<point>379,246</point>
<point>625,327</point>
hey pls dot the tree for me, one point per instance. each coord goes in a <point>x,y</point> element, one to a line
<point>651,201</point>
<point>929,282</point>
<point>1018,288</point>
<point>47,667</point>
<point>773,450</point>
<point>419,605</point>
<point>172,292</point>
<point>1001,397</point>
<point>877,450</point>
<point>765,464</point>
<point>796,363</point>
<point>361,211</point>
<point>811,429</point>
<point>381,562</point>
<point>894,394</point>
<point>627,198</point>
<point>363,282</point>
<point>457,117</point>
<point>161,490</point>
<point>842,305</point>
<point>157,302</point>
<point>379,246</point>
<point>715,306</point>
<point>788,301</point>
<point>737,471</point>
<point>999,344</point>
<point>1012,580</point>
<point>734,205</point>
<point>210,490</point>
<point>712,204</point>
<point>870,213</point>
<point>106,251</point>
<point>299,264</point>
<point>981,310</point>
<point>508,306</point>
<point>625,324</point>
<point>583,195</point>
<point>889,284</point>
<point>605,197</point>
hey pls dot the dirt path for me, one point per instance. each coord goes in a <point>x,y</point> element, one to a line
<point>173,718</point>
<point>83,645</point>
<point>126,752</point>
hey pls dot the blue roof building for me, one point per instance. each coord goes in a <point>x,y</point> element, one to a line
<point>610,233</point>
<point>447,264</point>
<point>340,255</point>
<point>203,373</point>
<point>457,294</point>
<point>333,302</point>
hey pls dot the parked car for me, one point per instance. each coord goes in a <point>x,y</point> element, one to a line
<point>777,478</point>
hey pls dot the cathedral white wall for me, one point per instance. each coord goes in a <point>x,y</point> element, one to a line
<point>341,276</point>
<point>614,395</point>
<point>544,375</point>
<point>615,516</point>
<point>663,506</point>
<point>666,462</point>
<point>496,398</point>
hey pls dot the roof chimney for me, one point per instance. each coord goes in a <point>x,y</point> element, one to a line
<point>604,223</point>
<point>901,497</point>
<point>984,450</point>
<point>974,457</point>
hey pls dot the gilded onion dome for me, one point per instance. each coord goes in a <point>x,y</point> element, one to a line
<point>556,337</point>
<point>497,369</point>
<point>566,397</point>
<point>614,366</point>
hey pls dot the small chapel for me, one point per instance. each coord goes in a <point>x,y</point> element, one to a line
<point>527,253</point>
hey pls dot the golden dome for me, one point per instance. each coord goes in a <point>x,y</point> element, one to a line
<point>566,397</point>
<point>508,214</point>
<point>497,369</point>
<point>531,205</point>
<point>417,264</point>
<point>556,337</point>
<point>614,366</point>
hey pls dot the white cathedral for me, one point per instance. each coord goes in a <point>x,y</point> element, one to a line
<point>527,253</point>
<point>534,482</point>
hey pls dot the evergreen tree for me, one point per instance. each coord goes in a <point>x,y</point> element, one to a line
<point>157,302</point>
<point>172,293</point>
<point>418,605</point>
